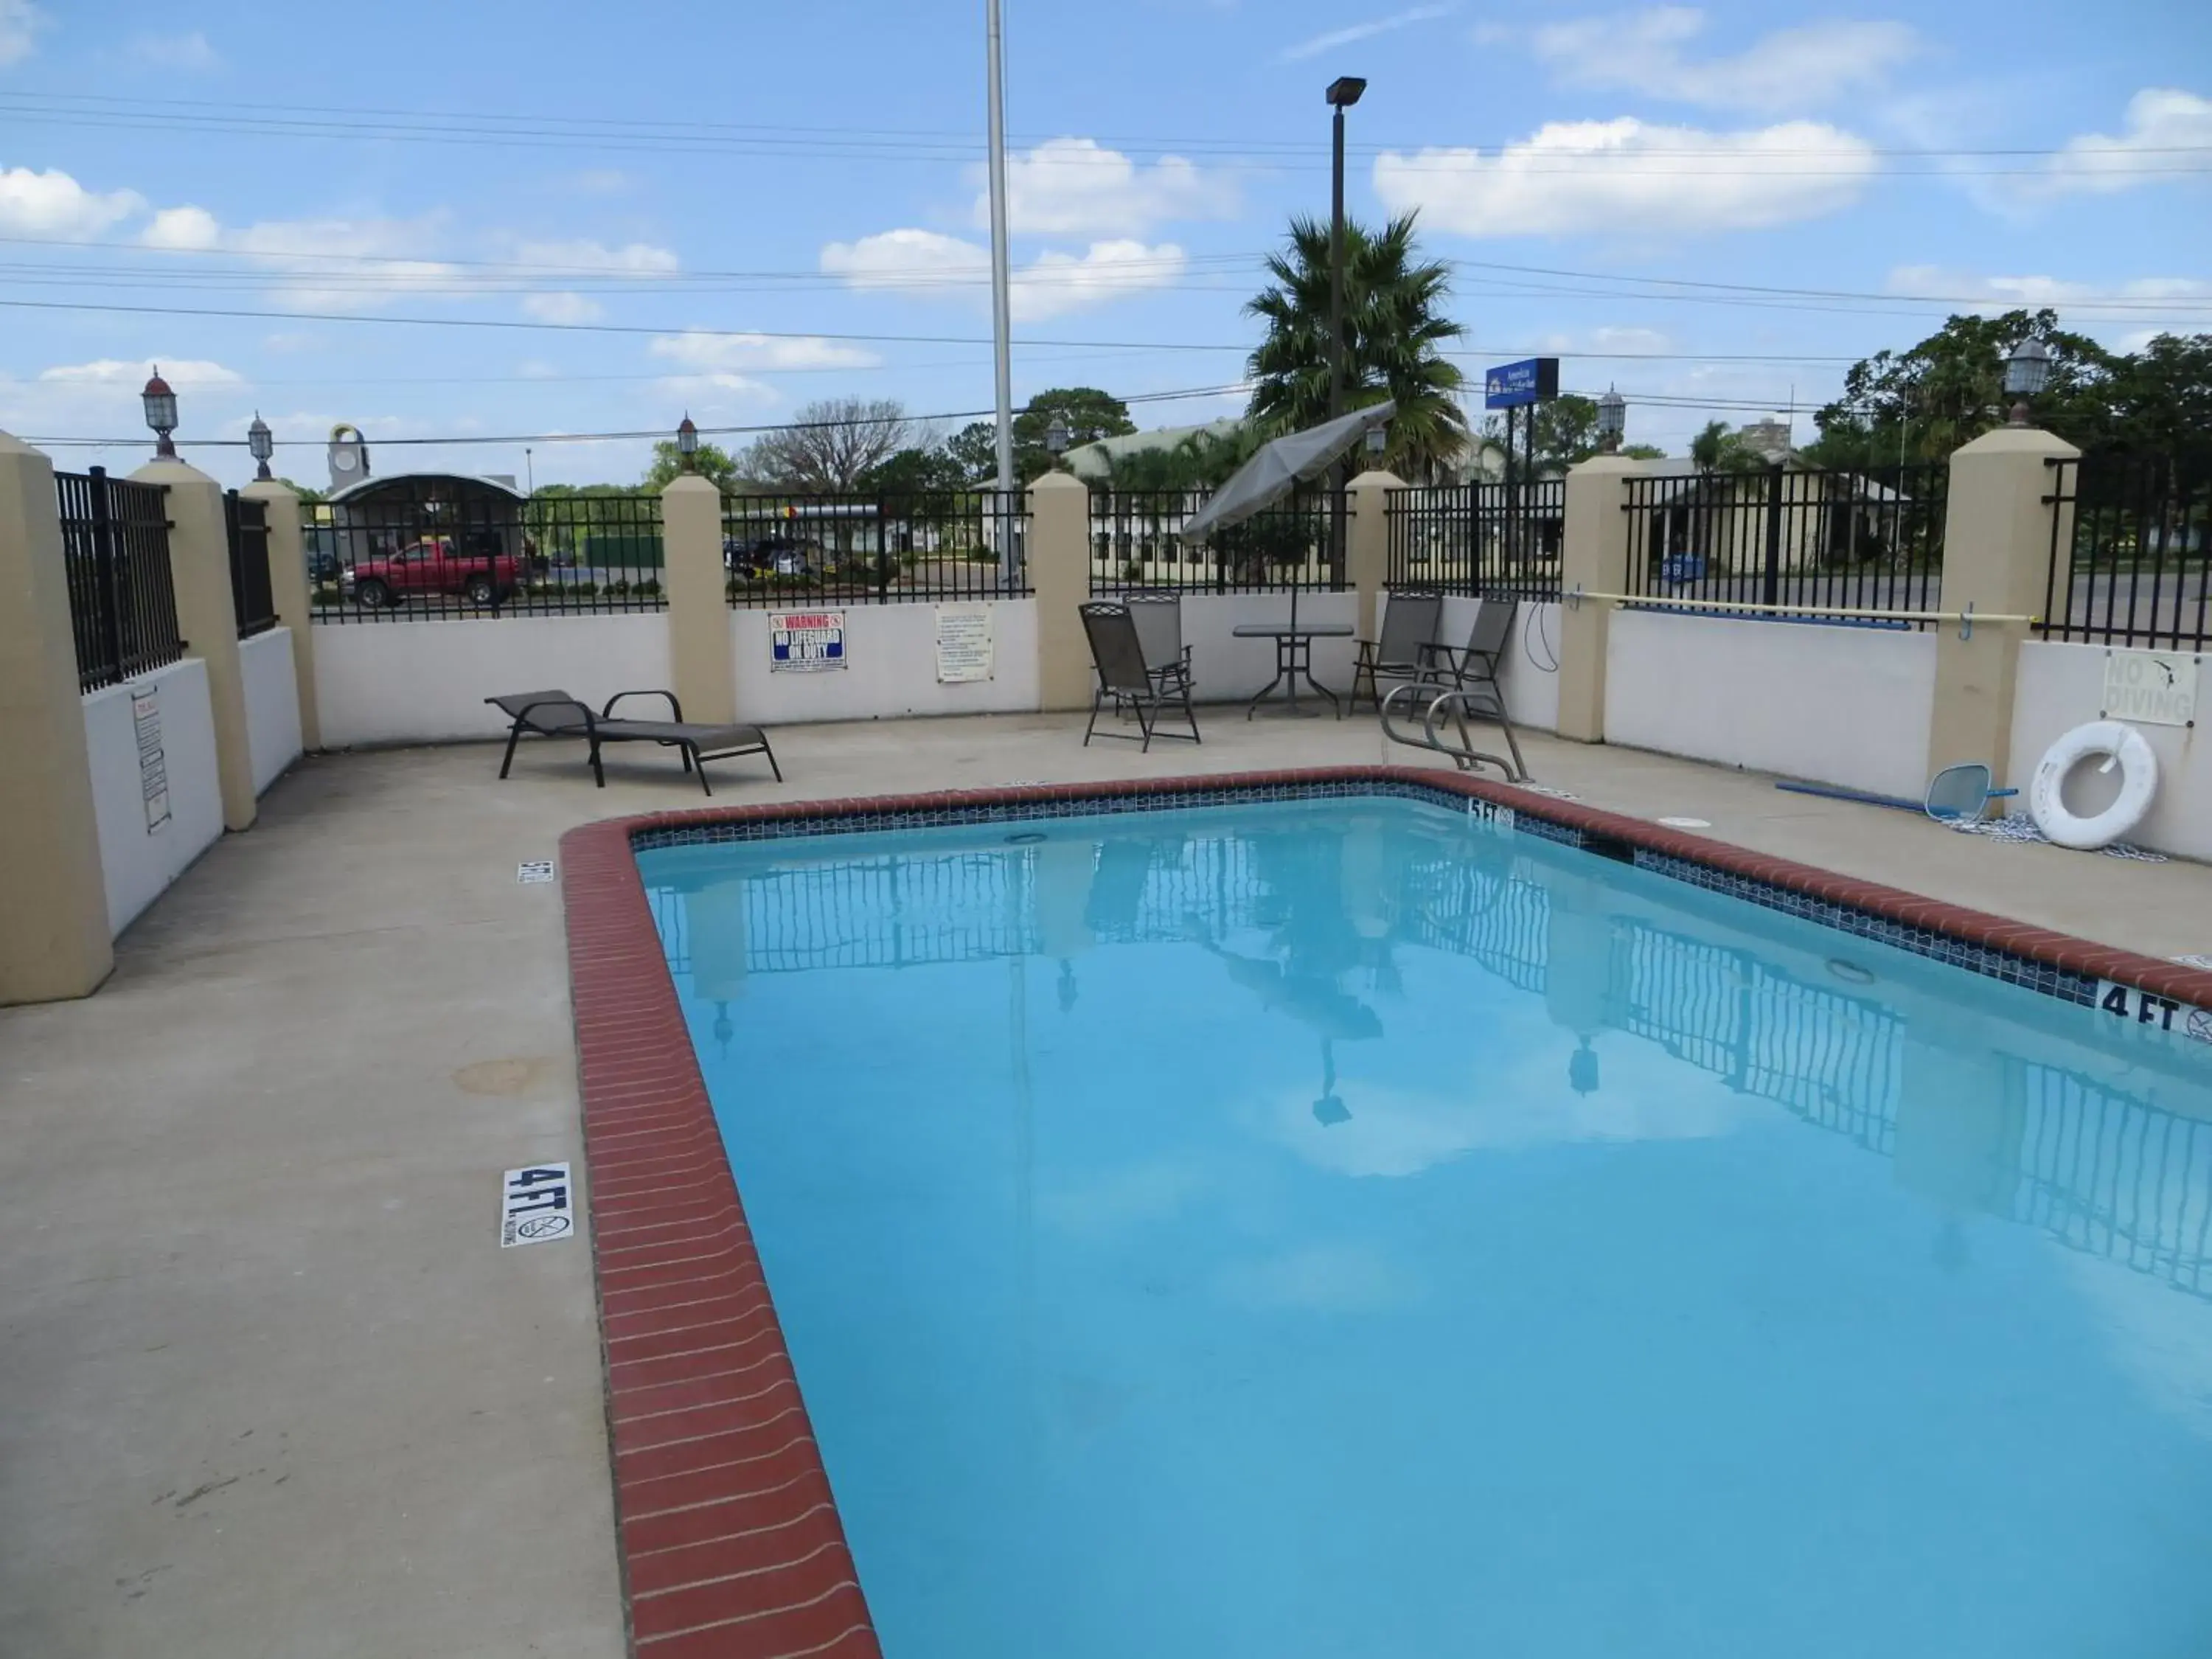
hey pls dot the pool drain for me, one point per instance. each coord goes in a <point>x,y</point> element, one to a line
<point>1025,838</point>
<point>1850,972</point>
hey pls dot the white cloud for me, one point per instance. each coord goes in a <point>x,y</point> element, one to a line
<point>2093,304</point>
<point>189,54</point>
<point>2161,121</point>
<point>562,307</point>
<point>1354,33</point>
<point>732,353</point>
<point>934,265</point>
<point>601,181</point>
<point>184,229</point>
<point>322,263</point>
<point>1790,69</point>
<point>52,203</point>
<point>179,372</point>
<point>20,23</point>
<point>1627,175</point>
<point>1078,187</point>
<point>588,257</point>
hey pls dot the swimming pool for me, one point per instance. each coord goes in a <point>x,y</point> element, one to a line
<point>1354,1226</point>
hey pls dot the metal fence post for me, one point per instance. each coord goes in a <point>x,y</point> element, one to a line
<point>1770,586</point>
<point>104,569</point>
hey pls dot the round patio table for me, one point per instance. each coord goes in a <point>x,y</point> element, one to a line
<point>1293,659</point>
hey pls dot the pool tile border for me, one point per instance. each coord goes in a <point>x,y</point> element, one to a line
<point>729,1533</point>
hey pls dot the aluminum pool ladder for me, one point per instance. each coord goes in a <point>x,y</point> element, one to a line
<point>1457,701</point>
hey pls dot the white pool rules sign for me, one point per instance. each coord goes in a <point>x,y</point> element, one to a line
<point>538,1204</point>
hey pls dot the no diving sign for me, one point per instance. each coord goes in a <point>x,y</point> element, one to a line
<point>538,1205</point>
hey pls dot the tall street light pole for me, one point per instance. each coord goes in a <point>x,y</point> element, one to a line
<point>1001,281</point>
<point>1343,94</point>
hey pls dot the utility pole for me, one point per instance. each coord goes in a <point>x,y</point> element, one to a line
<point>1001,279</point>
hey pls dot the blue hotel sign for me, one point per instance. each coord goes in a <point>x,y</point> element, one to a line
<point>1516,385</point>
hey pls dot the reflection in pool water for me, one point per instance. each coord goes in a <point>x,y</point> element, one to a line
<point>1335,1229</point>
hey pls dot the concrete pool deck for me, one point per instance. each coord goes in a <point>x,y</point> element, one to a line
<point>273,1388</point>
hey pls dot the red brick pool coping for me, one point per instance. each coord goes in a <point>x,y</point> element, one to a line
<point>730,1540</point>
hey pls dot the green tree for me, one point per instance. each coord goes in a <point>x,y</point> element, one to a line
<point>712,462</point>
<point>1201,461</point>
<point>1566,433</point>
<point>918,470</point>
<point>1394,331</point>
<point>308,495</point>
<point>974,450</point>
<point>1089,414</point>
<point>2161,402</point>
<point>1643,452</point>
<point>1923,403</point>
<point>1718,448</point>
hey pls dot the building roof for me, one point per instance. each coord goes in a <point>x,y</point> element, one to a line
<point>495,483</point>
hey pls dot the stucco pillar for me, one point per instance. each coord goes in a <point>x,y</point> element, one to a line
<point>701,651</point>
<point>287,587</point>
<point>54,937</point>
<point>1367,550</point>
<point>1059,569</point>
<point>1996,559</point>
<point>207,616</point>
<point>1594,559</point>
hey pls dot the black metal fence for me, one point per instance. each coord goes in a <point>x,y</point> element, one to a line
<point>122,601</point>
<point>413,550</point>
<point>875,550</point>
<point>246,525</point>
<point>1495,539</point>
<point>2130,553</point>
<point>1136,541</point>
<point>1816,537</point>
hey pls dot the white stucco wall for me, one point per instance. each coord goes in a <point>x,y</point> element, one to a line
<point>272,704</point>
<point>1530,672</point>
<point>137,864</point>
<point>2060,686</point>
<point>1840,705</point>
<point>891,654</point>
<point>410,682</point>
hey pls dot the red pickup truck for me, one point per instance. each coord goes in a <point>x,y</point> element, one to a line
<point>434,565</point>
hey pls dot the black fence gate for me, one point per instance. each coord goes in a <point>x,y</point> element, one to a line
<point>247,524</point>
<point>123,601</point>
<point>2130,552</point>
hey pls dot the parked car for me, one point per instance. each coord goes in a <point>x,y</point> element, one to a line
<point>484,575</point>
<point>771,556</point>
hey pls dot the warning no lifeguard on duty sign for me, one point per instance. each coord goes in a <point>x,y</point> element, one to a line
<point>537,1206</point>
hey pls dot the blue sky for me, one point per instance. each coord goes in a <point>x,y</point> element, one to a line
<point>727,210</point>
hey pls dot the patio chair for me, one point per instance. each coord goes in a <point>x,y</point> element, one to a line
<point>1410,618</point>
<point>558,714</point>
<point>1126,678</point>
<point>1158,613</point>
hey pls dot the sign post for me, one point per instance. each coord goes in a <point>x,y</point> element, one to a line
<point>1513,387</point>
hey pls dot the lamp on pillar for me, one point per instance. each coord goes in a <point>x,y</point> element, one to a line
<point>261,444</point>
<point>686,443</point>
<point>2026,372</point>
<point>1612,420</point>
<point>1378,440</point>
<point>161,414</point>
<point>1057,437</point>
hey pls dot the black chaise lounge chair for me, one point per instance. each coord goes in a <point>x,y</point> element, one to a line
<point>558,714</point>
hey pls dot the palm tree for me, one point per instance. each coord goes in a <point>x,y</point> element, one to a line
<point>1395,337</point>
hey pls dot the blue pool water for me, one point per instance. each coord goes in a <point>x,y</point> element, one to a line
<point>1339,1229</point>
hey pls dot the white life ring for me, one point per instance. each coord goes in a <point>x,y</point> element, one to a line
<point>2119,744</point>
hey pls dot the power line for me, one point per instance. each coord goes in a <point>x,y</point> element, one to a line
<point>1183,395</point>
